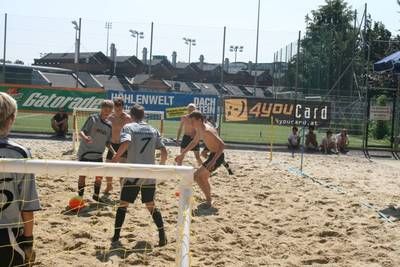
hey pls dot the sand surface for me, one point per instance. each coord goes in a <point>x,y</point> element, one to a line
<point>266,216</point>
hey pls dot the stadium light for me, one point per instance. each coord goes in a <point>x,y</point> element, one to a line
<point>77,27</point>
<point>190,42</point>
<point>108,26</point>
<point>138,35</point>
<point>236,49</point>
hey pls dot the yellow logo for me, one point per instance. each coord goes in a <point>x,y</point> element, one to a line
<point>236,109</point>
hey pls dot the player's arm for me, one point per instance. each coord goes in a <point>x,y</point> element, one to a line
<point>161,146</point>
<point>178,135</point>
<point>30,203</point>
<point>85,137</point>
<point>26,241</point>
<point>121,150</point>
<point>192,144</point>
<point>164,155</point>
<point>86,129</point>
<point>27,218</point>
<point>54,123</point>
<point>125,140</point>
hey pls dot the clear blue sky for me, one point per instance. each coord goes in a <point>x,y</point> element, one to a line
<point>42,26</point>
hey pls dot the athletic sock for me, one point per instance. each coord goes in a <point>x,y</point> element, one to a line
<point>157,218</point>
<point>81,189</point>
<point>119,220</point>
<point>97,186</point>
<point>228,168</point>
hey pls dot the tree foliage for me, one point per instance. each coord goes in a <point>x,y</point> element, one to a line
<point>333,49</point>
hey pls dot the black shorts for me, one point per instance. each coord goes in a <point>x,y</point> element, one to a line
<point>186,139</point>
<point>91,160</point>
<point>8,255</point>
<point>110,155</point>
<point>130,190</point>
<point>218,163</point>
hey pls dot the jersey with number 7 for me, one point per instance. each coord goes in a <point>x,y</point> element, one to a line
<point>143,141</point>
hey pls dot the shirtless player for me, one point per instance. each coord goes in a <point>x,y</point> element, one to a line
<point>118,120</point>
<point>188,134</point>
<point>214,144</point>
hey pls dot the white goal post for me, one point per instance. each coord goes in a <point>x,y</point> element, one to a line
<point>160,172</point>
<point>76,128</point>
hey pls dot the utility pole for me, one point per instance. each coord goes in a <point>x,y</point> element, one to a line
<point>5,48</point>
<point>258,33</point>
<point>151,47</point>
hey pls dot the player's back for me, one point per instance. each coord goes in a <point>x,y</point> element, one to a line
<point>144,141</point>
<point>19,190</point>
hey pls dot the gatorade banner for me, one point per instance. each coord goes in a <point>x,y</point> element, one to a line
<point>172,113</point>
<point>206,104</point>
<point>51,99</point>
<point>284,112</point>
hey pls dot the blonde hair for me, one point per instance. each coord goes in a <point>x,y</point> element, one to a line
<point>107,104</point>
<point>8,109</point>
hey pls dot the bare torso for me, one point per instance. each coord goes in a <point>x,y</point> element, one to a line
<point>117,122</point>
<point>210,137</point>
<point>187,126</point>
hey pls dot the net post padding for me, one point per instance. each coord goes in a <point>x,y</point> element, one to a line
<point>145,171</point>
<point>184,219</point>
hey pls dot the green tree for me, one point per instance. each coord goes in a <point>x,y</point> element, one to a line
<point>330,44</point>
<point>327,48</point>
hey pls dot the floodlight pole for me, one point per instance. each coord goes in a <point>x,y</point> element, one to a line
<point>108,27</point>
<point>77,49</point>
<point>223,58</point>
<point>4,48</point>
<point>190,42</point>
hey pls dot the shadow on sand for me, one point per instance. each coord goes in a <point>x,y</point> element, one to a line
<point>204,210</point>
<point>91,207</point>
<point>117,249</point>
<point>391,212</point>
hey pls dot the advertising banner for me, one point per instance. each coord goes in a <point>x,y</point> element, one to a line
<point>284,112</point>
<point>172,113</point>
<point>206,104</point>
<point>48,99</point>
<point>380,113</point>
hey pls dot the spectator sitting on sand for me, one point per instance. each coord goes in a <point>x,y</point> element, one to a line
<point>328,145</point>
<point>342,141</point>
<point>59,123</point>
<point>294,139</point>
<point>311,139</point>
